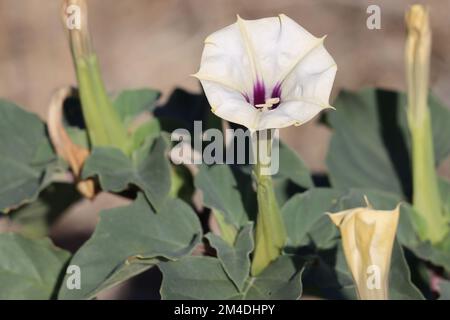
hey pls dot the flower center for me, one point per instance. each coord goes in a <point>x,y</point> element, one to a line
<point>261,101</point>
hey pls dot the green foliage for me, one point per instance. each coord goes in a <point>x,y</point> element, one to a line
<point>129,240</point>
<point>197,278</point>
<point>369,156</point>
<point>27,160</point>
<point>148,169</point>
<point>371,148</point>
<point>235,259</point>
<point>29,269</point>
<point>131,103</point>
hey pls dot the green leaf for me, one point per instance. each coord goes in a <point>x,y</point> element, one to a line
<point>281,280</point>
<point>196,278</point>
<point>36,218</point>
<point>438,255</point>
<point>400,284</point>
<point>27,156</point>
<point>357,157</point>
<point>78,136</point>
<point>235,259</point>
<point>371,144</point>
<point>148,169</point>
<point>29,269</point>
<point>221,192</point>
<point>130,103</point>
<point>203,278</point>
<point>129,240</point>
<point>293,168</point>
<point>304,211</point>
<point>148,130</point>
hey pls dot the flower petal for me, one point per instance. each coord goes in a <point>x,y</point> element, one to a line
<point>312,78</point>
<point>290,113</point>
<point>280,45</point>
<point>230,105</point>
<point>368,237</point>
<point>280,55</point>
<point>225,60</point>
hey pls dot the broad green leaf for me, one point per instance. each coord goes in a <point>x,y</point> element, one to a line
<point>148,130</point>
<point>148,169</point>
<point>221,192</point>
<point>235,259</point>
<point>129,240</point>
<point>293,168</point>
<point>37,217</point>
<point>196,278</point>
<point>357,157</point>
<point>438,255</point>
<point>29,269</point>
<point>304,211</point>
<point>281,280</point>
<point>130,103</point>
<point>27,157</point>
<point>203,278</point>
<point>371,144</point>
<point>400,284</point>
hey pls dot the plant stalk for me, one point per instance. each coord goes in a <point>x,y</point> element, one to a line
<point>103,123</point>
<point>430,220</point>
<point>270,235</point>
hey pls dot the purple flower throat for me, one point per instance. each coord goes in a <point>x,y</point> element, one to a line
<point>259,96</point>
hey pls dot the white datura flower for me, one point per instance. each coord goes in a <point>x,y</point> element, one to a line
<point>368,238</point>
<point>266,73</point>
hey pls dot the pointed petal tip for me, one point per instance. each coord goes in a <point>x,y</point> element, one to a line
<point>336,218</point>
<point>368,204</point>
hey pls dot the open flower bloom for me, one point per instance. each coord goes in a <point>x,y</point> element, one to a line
<point>368,238</point>
<point>266,73</point>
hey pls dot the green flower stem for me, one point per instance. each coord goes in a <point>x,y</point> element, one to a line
<point>430,219</point>
<point>270,236</point>
<point>103,123</point>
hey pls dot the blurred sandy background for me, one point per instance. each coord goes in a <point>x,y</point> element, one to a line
<point>157,43</point>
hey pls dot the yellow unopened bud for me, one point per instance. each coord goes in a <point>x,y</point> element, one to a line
<point>368,238</point>
<point>418,47</point>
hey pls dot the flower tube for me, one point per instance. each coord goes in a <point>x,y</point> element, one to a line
<point>430,219</point>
